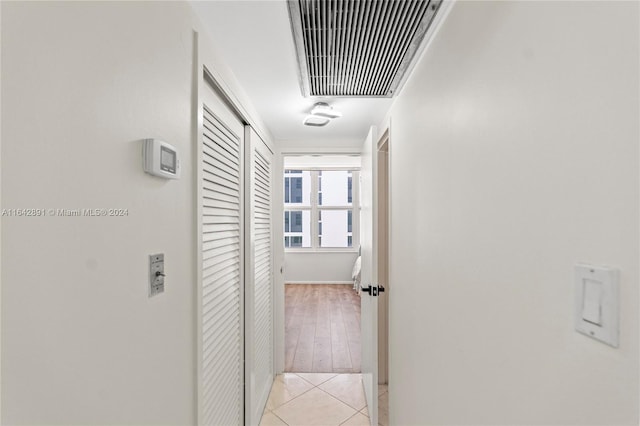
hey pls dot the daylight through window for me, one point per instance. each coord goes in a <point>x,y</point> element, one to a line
<point>319,209</point>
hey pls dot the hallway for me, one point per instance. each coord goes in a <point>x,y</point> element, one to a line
<point>321,399</point>
<point>130,296</point>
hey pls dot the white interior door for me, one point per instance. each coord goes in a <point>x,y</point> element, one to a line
<point>221,264</point>
<point>259,365</point>
<point>369,302</point>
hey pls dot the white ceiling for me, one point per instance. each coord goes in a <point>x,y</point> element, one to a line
<point>254,37</point>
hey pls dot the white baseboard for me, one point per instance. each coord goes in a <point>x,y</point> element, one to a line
<point>318,282</point>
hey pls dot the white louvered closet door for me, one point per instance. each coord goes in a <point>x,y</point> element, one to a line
<point>259,277</point>
<point>221,298</point>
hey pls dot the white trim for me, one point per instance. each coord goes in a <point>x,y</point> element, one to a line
<point>324,169</point>
<point>318,151</point>
<point>198,125</point>
<point>321,250</point>
<point>318,282</point>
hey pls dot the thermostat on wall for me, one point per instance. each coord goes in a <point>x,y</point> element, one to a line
<point>160,159</point>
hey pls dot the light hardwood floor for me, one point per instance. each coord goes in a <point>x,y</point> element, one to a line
<point>322,328</point>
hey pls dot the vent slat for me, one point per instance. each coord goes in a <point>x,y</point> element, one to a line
<point>412,22</point>
<point>305,18</point>
<point>335,20</point>
<point>357,47</point>
<point>394,42</point>
<point>385,45</point>
<point>362,16</point>
<point>308,40</point>
<point>371,41</point>
<point>339,78</point>
<point>348,53</point>
<point>362,41</point>
<point>387,29</point>
<point>311,42</point>
<point>355,52</point>
<point>318,42</point>
<point>324,32</point>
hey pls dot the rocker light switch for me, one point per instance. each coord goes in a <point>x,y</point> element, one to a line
<point>156,274</point>
<point>592,301</point>
<point>596,303</point>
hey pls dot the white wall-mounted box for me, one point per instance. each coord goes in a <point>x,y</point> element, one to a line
<point>596,302</point>
<point>160,159</point>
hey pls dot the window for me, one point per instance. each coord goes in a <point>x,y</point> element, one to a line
<point>293,186</point>
<point>319,209</point>
<point>297,224</point>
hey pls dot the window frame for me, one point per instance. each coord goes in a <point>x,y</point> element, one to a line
<point>314,208</point>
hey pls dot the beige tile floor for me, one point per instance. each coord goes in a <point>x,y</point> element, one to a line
<point>326,399</point>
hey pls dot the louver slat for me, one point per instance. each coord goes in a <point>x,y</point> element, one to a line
<point>359,48</point>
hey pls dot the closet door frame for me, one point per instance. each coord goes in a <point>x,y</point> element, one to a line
<point>205,73</point>
<point>214,404</point>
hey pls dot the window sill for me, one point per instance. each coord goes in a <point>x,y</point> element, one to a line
<point>321,250</point>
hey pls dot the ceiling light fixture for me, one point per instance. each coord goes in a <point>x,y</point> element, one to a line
<point>323,109</point>
<point>315,121</point>
<point>321,115</point>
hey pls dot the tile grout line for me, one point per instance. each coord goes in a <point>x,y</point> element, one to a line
<point>355,414</point>
<point>295,397</point>
<point>339,400</point>
<point>336,398</point>
<point>330,378</point>
<point>280,418</point>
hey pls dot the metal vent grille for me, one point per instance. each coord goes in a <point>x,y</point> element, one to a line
<point>357,47</point>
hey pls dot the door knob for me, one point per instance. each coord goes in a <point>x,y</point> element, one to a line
<point>372,290</point>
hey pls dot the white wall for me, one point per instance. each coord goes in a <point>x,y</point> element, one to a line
<point>514,155</point>
<point>82,84</point>
<point>319,267</point>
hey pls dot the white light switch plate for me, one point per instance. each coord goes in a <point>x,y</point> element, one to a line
<point>596,302</point>
<point>156,274</point>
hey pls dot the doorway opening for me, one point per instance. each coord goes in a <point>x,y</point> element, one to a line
<point>321,241</point>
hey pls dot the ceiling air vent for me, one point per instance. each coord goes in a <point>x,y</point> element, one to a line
<point>359,48</point>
